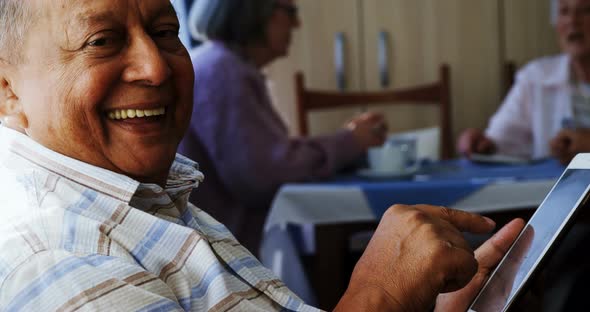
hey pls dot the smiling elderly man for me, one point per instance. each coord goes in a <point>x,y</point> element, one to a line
<point>96,95</point>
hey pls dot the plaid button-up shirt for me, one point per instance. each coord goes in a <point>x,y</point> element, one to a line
<point>78,237</point>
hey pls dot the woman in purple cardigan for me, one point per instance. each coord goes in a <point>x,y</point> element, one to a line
<point>240,141</point>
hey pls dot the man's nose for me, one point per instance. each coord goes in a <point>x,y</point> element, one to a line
<point>146,64</point>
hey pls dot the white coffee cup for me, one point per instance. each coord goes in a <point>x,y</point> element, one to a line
<point>395,157</point>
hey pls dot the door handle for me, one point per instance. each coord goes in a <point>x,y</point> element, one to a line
<point>383,59</point>
<point>340,60</point>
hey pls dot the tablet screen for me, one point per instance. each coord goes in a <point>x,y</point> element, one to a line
<point>534,241</point>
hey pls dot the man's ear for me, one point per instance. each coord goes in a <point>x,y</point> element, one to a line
<point>11,110</point>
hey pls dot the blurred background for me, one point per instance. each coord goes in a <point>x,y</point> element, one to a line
<point>386,44</point>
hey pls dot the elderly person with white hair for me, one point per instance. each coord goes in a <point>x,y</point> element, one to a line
<point>240,141</point>
<point>547,111</point>
<point>94,212</point>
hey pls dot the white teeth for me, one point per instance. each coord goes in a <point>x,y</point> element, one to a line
<point>135,113</point>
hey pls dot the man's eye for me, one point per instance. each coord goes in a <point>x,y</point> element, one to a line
<point>107,39</point>
<point>98,42</point>
<point>166,33</point>
<point>105,44</point>
<point>167,38</point>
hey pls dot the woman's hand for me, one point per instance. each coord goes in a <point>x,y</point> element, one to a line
<point>368,129</point>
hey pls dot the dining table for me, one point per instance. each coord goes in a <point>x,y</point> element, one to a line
<point>300,210</point>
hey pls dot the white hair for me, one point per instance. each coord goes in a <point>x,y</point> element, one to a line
<point>15,19</point>
<point>233,21</point>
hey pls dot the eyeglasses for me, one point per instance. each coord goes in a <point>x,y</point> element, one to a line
<point>290,9</point>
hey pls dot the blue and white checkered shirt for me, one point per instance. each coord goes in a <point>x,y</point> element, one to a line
<point>78,237</point>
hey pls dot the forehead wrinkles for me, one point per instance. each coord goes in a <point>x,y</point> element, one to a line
<point>91,12</point>
<point>88,15</point>
<point>68,19</point>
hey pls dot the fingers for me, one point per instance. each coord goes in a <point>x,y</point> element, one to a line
<point>377,121</point>
<point>454,257</point>
<point>427,248</point>
<point>465,142</point>
<point>563,146</point>
<point>380,131</point>
<point>484,145</point>
<point>462,220</point>
<point>372,116</point>
<point>492,251</point>
<point>369,129</point>
<point>464,267</point>
<point>474,141</point>
<point>569,142</point>
<point>560,142</point>
<point>488,256</point>
<point>455,238</point>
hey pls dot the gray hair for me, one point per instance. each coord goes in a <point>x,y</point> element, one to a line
<point>16,17</point>
<point>232,21</point>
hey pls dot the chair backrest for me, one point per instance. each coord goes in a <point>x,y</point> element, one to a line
<point>437,93</point>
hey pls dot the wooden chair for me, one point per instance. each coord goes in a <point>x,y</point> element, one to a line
<point>333,262</point>
<point>437,93</point>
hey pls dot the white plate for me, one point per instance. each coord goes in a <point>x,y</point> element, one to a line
<point>500,159</point>
<point>368,173</point>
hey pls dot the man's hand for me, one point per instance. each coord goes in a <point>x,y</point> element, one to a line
<point>488,256</point>
<point>416,253</point>
<point>474,141</point>
<point>569,142</point>
<point>369,129</point>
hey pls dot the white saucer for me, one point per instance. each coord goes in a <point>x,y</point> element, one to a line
<point>368,173</point>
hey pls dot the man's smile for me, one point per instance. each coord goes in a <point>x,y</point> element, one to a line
<point>119,114</point>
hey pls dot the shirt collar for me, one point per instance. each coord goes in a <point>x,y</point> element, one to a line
<point>184,172</point>
<point>558,75</point>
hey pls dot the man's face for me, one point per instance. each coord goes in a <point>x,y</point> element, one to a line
<point>92,65</point>
<point>282,22</point>
<point>573,27</point>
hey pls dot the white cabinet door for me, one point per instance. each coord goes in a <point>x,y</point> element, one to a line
<point>475,37</point>
<point>422,35</point>
<point>313,52</point>
<point>528,32</point>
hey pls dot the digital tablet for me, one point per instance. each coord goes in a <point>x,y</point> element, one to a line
<point>543,231</point>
